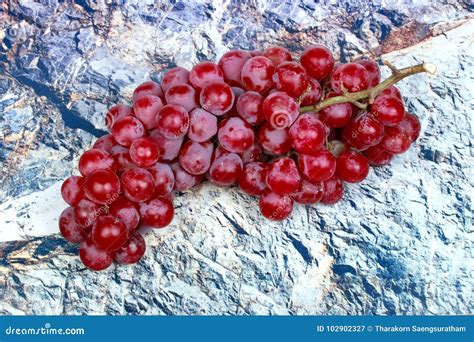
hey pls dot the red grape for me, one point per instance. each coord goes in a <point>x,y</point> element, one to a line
<point>70,229</point>
<point>362,132</point>
<point>109,233</point>
<point>195,157</point>
<point>131,251</point>
<point>352,77</point>
<point>377,156</point>
<point>280,110</point>
<point>174,76</point>
<point>318,167</point>
<point>283,176</point>
<point>373,69</point>
<point>116,113</point>
<point>205,73</point>
<point>147,88</point>
<point>182,94</point>
<point>274,141</point>
<point>122,158</point>
<point>231,64</point>
<point>105,143</point>
<point>102,186</point>
<point>217,98</point>
<point>235,135</point>
<point>333,190</point>
<point>254,179</point>
<point>257,74</point>
<point>169,148</point>
<point>392,91</point>
<point>86,212</point>
<point>336,115</point>
<point>173,122</point>
<point>146,108</point>
<point>308,193</point>
<point>277,55</point>
<point>144,152</point>
<point>226,169</point>
<point>202,125</point>
<point>128,129</point>
<point>72,190</point>
<point>395,140</point>
<point>307,134</point>
<point>95,159</point>
<point>183,180</point>
<point>275,207</point>
<point>312,95</point>
<point>137,184</point>
<point>411,125</point>
<point>252,154</point>
<point>157,213</point>
<point>164,179</point>
<point>93,257</point>
<point>126,211</point>
<point>291,78</point>
<point>249,108</point>
<point>318,61</point>
<point>388,110</point>
<point>352,166</point>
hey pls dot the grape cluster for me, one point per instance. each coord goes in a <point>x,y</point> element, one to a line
<point>238,122</point>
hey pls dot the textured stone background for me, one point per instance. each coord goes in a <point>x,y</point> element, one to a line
<point>399,243</point>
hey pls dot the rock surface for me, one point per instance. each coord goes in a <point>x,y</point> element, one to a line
<point>399,243</point>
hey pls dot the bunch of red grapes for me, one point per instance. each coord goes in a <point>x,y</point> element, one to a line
<point>237,122</point>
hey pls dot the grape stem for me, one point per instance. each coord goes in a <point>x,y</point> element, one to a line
<point>371,93</point>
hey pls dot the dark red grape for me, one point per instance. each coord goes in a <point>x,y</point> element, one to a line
<point>127,129</point>
<point>102,186</point>
<point>126,211</point>
<point>147,88</point>
<point>231,64</point>
<point>93,257</point>
<point>131,251</point>
<point>109,233</point>
<point>352,77</point>
<point>395,140</point>
<point>275,207</point>
<point>70,229</point>
<point>116,113</point>
<point>257,74</point>
<point>333,190</point>
<point>377,156</point>
<point>205,73</point>
<point>411,125</point>
<point>277,55</point>
<point>312,95</point>
<point>283,176</point>
<point>146,109</point>
<point>352,166</point>
<point>195,157</point>
<point>308,193</point>
<point>217,98</point>
<point>291,78</point>
<point>307,134</point>
<point>274,141</point>
<point>336,115</point>
<point>72,190</point>
<point>95,159</point>
<point>164,179</point>
<point>254,179</point>
<point>173,122</point>
<point>144,152</point>
<point>226,169</point>
<point>157,213</point>
<point>318,61</point>
<point>388,110</point>
<point>137,184</point>
<point>235,135</point>
<point>318,167</point>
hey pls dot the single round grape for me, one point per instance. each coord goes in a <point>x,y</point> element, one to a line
<point>70,229</point>
<point>411,125</point>
<point>173,122</point>
<point>195,157</point>
<point>126,211</point>
<point>283,176</point>
<point>144,152</point>
<point>217,98</point>
<point>183,95</point>
<point>377,156</point>
<point>352,166</point>
<point>280,110</point>
<point>274,141</point>
<point>373,69</point>
<point>231,64</point>
<point>249,108</point>
<point>122,158</point>
<point>252,154</point>
<point>392,91</point>
<point>333,190</point>
<point>350,76</point>
<point>275,207</point>
<point>202,125</point>
<point>205,73</point>
<point>388,110</point>
<point>277,55</point>
<point>137,184</point>
<point>226,169</point>
<point>109,233</point>
<point>183,180</point>
<point>147,88</point>
<point>291,78</point>
<point>127,129</point>
<point>72,190</point>
<point>307,134</point>
<point>318,61</point>
<point>173,77</point>
<point>95,159</point>
<point>131,251</point>
<point>257,74</point>
<point>337,115</point>
<point>309,193</point>
<point>116,113</point>
<point>146,109</point>
<point>105,143</point>
<point>254,179</point>
<point>362,132</point>
<point>157,213</point>
<point>312,95</point>
<point>86,212</point>
<point>94,257</point>
<point>164,179</point>
<point>235,135</point>
<point>102,186</point>
<point>169,148</point>
<point>318,167</point>
<point>395,140</point>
